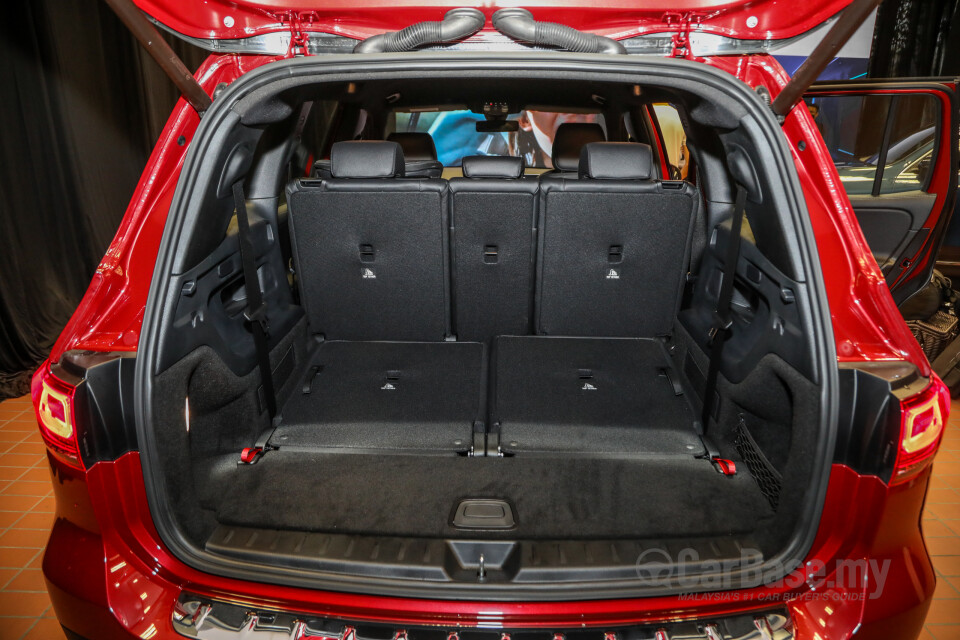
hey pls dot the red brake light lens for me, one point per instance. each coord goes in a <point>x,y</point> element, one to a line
<point>923,418</point>
<point>53,405</point>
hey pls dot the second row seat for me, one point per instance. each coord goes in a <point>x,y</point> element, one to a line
<point>493,229</point>
<point>603,254</point>
<point>370,247</point>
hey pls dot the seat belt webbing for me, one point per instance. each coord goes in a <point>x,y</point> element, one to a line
<point>256,313</point>
<point>722,320</point>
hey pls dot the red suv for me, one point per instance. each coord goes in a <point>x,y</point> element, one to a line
<point>502,324</point>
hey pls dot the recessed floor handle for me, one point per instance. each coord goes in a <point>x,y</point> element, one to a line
<point>484,514</point>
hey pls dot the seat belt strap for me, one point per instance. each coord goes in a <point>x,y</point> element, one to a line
<point>256,312</point>
<point>722,319</point>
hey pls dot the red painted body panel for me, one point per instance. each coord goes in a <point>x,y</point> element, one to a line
<point>122,563</point>
<point>866,323</point>
<point>110,575</point>
<point>229,19</point>
<point>110,314</point>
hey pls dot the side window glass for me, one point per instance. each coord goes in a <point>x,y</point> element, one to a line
<point>913,138</point>
<point>674,140</point>
<point>880,144</point>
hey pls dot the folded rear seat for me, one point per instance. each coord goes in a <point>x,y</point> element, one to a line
<point>614,246</point>
<point>403,396</point>
<point>370,249</point>
<point>493,221</point>
<point>589,395</point>
<point>613,252</point>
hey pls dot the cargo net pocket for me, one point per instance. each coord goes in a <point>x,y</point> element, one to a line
<point>934,333</point>
<point>767,477</point>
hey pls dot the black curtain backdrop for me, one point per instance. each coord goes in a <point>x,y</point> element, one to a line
<point>81,105</point>
<point>916,38</point>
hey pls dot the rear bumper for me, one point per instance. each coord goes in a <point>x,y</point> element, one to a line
<point>203,618</point>
<point>110,576</point>
<point>208,619</point>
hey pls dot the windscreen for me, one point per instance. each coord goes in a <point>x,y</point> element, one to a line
<point>455,134</point>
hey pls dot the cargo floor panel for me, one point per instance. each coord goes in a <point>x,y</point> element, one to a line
<point>387,395</point>
<point>549,497</point>
<point>590,395</point>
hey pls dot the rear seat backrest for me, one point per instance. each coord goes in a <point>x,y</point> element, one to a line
<point>569,141</point>
<point>614,246</point>
<point>493,230</point>
<point>370,247</point>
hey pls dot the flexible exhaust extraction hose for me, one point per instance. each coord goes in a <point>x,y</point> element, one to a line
<point>520,25</point>
<point>456,25</point>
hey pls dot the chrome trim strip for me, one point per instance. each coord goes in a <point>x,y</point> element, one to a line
<point>651,44</point>
<point>268,44</point>
<point>204,619</point>
<point>710,44</point>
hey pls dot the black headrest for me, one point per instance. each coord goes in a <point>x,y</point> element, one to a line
<point>492,167</point>
<point>416,146</point>
<point>366,159</point>
<point>569,139</point>
<point>616,161</point>
<point>423,169</point>
<point>321,169</point>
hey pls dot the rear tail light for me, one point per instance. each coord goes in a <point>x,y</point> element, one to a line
<point>53,404</point>
<point>923,418</point>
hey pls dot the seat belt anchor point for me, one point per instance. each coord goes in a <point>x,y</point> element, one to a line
<point>724,466</point>
<point>250,455</point>
<point>258,315</point>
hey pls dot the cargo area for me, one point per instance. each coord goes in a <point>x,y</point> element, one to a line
<point>619,459</point>
<point>487,375</point>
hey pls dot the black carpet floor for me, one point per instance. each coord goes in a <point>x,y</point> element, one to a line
<point>552,497</point>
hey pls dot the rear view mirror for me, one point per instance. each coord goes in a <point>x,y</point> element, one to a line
<point>497,126</point>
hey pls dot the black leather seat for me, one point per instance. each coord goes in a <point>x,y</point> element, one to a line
<point>419,153</point>
<point>371,247</point>
<point>568,142</point>
<point>419,156</point>
<point>614,245</point>
<point>493,242</point>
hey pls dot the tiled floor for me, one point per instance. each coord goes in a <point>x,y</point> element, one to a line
<point>26,513</point>
<point>941,527</point>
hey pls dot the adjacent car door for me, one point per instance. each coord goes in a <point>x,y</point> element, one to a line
<point>894,144</point>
